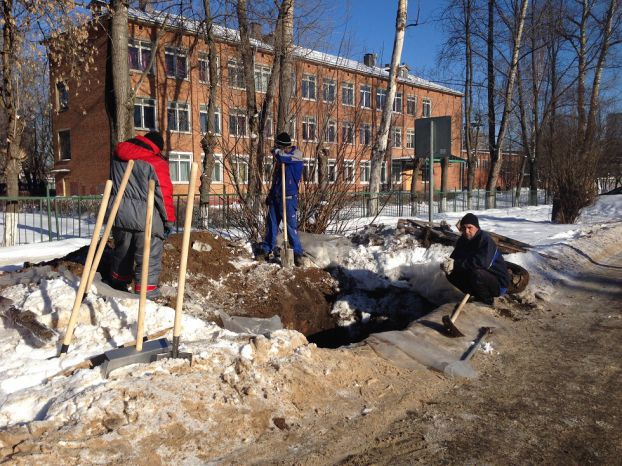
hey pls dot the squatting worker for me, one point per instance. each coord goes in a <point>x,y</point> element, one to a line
<point>476,266</point>
<point>129,225</point>
<point>288,155</point>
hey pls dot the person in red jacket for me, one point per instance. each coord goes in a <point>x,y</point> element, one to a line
<point>128,231</point>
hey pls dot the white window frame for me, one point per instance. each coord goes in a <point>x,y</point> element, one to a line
<point>269,128</point>
<point>347,89</point>
<point>237,112</point>
<point>365,167</point>
<point>396,99</point>
<point>217,115</point>
<point>331,124</point>
<point>349,170</point>
<point>239,68</point>
<point>62,96</point>
<point>399,164</point>
<point>176,53</point>
<point>235,164</point>
<point>411,98</point>
<point>217,164</point>
<point>142,102</point>
<point>383,172</point>
<point>307,123</point>
<point>365,96</point>
<point>327,85</point>
<point>396,132</point>
<point>140,45</point>
<point>176,158</point>
<point>309,87</point>
<point>177,106</point>
<point>410,138</point>
<point>310,166</point>
<point>332,163</point>
<point>381,98</point>
<point>426,107</point>
<point>262,78</point>
<point>365,137</point>
<point>268,168</point>
<point>345,126</point>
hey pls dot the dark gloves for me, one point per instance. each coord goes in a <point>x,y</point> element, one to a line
<point>168,229</point>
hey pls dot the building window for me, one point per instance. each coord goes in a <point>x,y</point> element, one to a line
<point>332,170</point>
<point>308,86</point>
<point>397,103</point>
<point>62,97</point>
<point>309,172</point>
<point>365,134</point>
<point>410,138</point>
<point>366,96</point>
<point>426,110</point>
<point>383,173</point>
<point>329,90</point>
<point>396,137</point>
<point>144,113</point>
<point>347,94</point>
<point>139,55</point>
<point>179,165</point>
<point>365,171</point>
<point>217,176</point>
<point>262,78</point>
<point>308,128</point>
<point>291,128</point>
<point>411,105</point>
<point>331,132</point>
<point>236,74</point>
<point>381,98</point>
<point>396,171</point>
<point>176,63</point>
<point>204,68</point>
<point>237,123</point>
<point>239,170</point>
<point>203,119</point>
<point>268,130</point>
<point>347,132</point>
<point>349,171</point>
<point>64,144</point>
<point>178,117</point>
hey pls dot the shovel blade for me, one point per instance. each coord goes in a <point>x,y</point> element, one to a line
<point>452,330</point>
<point>120,357</point>
<point>287,258</point>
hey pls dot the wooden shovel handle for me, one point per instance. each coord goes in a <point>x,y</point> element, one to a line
<point>456,313</point>
<point>181,282</point>
<point>144,275</point>
<point>113,214</point>
<point>87,267</point>
<point>283,191</point>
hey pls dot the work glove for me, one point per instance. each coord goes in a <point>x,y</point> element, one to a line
<point>168,229</point>
<point>447,266</point>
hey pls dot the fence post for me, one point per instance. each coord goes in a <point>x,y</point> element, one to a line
<point>56,218</point>
<point>47,193</point>
<point>79,219</point>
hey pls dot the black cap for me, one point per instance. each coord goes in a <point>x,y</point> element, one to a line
<point>283,140</point>
<point>156,138</point>
<point>469,219</point>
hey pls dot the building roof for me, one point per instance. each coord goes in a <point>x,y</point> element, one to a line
<point>232,35</point>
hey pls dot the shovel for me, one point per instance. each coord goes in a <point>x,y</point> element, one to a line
<point>287,256</point>
<point>449,322</point>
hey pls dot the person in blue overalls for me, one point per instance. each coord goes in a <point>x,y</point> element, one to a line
<point>291,157</point>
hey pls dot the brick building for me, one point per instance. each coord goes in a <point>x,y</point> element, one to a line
<point>338,97</point>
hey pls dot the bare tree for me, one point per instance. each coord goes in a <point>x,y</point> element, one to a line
<point>380,144</point>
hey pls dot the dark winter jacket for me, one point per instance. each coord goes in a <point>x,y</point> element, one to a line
<point>148,165</point>
<point>294,164</point>
<point>481,252</point>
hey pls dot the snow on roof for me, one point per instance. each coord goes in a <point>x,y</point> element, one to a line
<point>232,35</point>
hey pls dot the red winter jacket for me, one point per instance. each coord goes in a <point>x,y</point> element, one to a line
<point>148,164</point>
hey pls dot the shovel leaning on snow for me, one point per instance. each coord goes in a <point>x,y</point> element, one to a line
<point>90,265</point>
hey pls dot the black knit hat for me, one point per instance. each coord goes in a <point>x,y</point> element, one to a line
<point>469,219</point>
<point>283,140</point>
<point>156,138</point>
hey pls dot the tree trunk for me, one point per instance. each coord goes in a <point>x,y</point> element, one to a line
<point>286,38</point>
<point>380,144</point>
<point>496,150</point>
<point>124,105</point>
<point>414,184</point>
<point>208,141</point>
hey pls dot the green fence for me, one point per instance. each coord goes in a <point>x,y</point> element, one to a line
<point>41,219</point>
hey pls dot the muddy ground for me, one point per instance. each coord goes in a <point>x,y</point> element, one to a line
<point>550,393</point>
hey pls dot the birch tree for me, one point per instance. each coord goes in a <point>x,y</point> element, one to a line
<point>380,144</point>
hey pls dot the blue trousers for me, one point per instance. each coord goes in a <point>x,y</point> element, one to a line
<point>275,215</point>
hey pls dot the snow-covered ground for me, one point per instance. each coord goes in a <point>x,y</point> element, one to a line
<point>28,390</point>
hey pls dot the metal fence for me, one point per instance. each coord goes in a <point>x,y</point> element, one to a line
<point>54,218</point>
